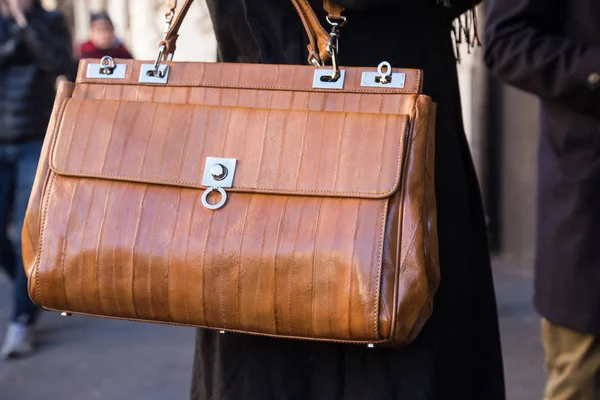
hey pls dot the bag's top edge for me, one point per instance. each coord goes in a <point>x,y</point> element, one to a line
<point>248,76</point>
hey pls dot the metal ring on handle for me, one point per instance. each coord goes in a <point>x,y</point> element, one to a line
<point>108,65</point>
<point>384,76</point>
<point>341,22</point>
<point>219,204</point>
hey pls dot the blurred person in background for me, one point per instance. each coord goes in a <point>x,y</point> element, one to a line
<point>551,48</point>
<point>35,48</point>
<point>103,41</point>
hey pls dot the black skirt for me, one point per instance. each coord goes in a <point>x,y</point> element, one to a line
<point>458,354</point>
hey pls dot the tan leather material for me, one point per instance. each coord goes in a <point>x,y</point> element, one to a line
<point>31,230</point>
<point>418,230</point>
<point>294,139</point>
<point>272,99</point>
<point>318,37</point>
<point>328,232</point>
<point>334,11</point>
<point>256,76</point>
<point>170,40</point>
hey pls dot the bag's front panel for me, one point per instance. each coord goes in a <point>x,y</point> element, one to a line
<point>304,267</point>
<point>296,251</point>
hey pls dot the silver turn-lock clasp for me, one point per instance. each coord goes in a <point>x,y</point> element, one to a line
<point>385,77</point>
<point>218,175</point>
<point>107,69</point>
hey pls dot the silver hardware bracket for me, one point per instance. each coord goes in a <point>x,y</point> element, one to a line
<point>107,69</point>
<point>147,74</point>
<point>218,175</point>
<point>322,79</point>
<point>213,178</point>
<point>383,79</point>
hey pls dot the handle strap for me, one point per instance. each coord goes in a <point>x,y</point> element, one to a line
<point>317,35</point>
<point>172,26</point>
<point>333,10</point>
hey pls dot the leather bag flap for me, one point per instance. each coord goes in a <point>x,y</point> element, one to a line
<point>308,153</point>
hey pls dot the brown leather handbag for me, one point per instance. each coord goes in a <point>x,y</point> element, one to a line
<point>278,200</point>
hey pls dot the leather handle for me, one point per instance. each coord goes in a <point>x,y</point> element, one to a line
<point>317,35</point>
<point>172,34</point>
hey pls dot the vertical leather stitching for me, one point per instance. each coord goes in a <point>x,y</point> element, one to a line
<point>155,228</point>
<point>259,279</point>
<point>97,252</point>
<point>239,263</point>
<point>339,155</point>
<point>65,244</point>
<point>220,266</point>
<point>45,198</point>
<point>149,140</point>
<point>291,267</point>
<point>110,135</point>
<point>117,230</point>
<point>81,268</point>
<point>133,250</point>
<point>41,242</point>
<point>352,264</point>
<point>206,239</point>
<point>185,259</point>
<point>314,266</point>
<point>170,252</point>
<point>377,293</point>
<point>275,288</point>
<point>264,142</point>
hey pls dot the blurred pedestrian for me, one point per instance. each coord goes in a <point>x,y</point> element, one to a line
<point>458,353</point>
<point>551,48</point>
<point>35,48</point>
<point>103,41</point>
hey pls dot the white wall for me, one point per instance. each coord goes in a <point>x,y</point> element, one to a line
<point>140,24</point>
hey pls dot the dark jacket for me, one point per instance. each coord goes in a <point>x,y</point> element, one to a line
<point>552,48</point>
<point>457,355</point>
<point>31,59</point>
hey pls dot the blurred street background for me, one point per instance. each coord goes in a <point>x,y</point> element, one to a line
<point>82,358</point>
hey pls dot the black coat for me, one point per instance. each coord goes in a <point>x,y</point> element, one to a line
<point>31,59</point>
<point>458,353</point>
<point>552,48</point>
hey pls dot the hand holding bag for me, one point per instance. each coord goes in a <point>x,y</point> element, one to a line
<point>278,200</point>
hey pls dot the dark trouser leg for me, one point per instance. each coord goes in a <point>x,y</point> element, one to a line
<point>7,256</point>
<point>25,168</point>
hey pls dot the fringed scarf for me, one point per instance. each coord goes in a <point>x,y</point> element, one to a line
<point>464,29</point>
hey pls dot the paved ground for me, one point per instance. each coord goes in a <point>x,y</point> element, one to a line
<point>87,359</point>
